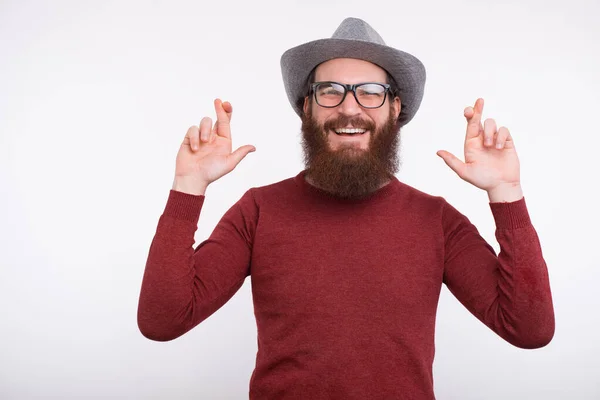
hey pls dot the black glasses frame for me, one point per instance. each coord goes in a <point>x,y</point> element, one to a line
<point>350,88</point>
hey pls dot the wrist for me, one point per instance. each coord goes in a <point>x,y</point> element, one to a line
<point>189,186</point>
<point>505,193</point>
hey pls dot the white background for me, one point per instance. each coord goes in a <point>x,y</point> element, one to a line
<point>96,97</point>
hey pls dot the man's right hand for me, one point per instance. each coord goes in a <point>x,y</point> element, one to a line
<point>205,154</point>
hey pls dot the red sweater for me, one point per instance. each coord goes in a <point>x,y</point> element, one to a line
<point>345,292</point>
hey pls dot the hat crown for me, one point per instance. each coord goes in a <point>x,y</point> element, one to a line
<point>357,29</point>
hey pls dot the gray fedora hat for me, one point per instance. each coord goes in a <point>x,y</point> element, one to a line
<point>354,38</point>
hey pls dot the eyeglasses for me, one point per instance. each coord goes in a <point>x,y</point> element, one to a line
<point>367,95</point>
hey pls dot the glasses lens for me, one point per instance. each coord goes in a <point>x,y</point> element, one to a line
<point>329,94</point>
<point>370,95</point>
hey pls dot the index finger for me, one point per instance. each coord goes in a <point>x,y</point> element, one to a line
<point>474,122</point>
<point>228,109</point>
<point>222,125</point>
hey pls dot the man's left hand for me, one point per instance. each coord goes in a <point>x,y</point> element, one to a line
<point>491,161</point>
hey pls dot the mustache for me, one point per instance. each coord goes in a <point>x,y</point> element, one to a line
<point>344,121</point>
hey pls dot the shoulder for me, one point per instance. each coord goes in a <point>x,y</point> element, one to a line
<point>274,191</point>
<point>433,205</point>
<point>418,198</point>
<point>436,209</point>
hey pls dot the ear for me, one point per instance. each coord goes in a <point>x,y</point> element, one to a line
<point>306,104</point>
<point>397,106</point>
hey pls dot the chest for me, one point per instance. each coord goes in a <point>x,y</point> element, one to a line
<point>344,264</point>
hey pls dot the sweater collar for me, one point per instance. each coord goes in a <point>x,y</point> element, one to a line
<point>391,187</point>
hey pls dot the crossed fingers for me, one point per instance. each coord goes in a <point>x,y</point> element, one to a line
<point>490,135</point>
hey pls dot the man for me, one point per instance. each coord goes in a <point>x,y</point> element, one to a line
<point>346,261</point>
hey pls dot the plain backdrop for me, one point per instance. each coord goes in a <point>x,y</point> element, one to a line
<point>96,97</point>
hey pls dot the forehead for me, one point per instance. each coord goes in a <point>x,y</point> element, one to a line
<point>349,70</point>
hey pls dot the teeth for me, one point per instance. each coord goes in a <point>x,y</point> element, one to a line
<point>345,130</point>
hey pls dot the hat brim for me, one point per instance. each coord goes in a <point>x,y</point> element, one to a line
<point>406,69</point>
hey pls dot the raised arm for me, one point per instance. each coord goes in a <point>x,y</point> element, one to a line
<point>510,293</point>
<point>183,286</point>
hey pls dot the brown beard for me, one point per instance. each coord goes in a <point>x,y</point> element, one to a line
<point>348,172</point>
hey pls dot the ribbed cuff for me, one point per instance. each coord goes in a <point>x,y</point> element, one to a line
<point>184,206</point>
<point>511,215</point>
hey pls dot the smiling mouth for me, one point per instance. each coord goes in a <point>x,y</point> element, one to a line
<point>349,131</point>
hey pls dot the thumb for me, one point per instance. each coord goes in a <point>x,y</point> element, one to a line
<point>239,154</point>
<point>453,162</point>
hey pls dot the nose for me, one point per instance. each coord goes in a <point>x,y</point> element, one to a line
<point>350,106</point>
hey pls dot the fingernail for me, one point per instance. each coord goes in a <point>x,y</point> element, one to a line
<point>488,141</point>
<point>498,145</point>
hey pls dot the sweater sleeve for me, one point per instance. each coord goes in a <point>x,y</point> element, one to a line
<point>183,286</point>
<point>510,293</point>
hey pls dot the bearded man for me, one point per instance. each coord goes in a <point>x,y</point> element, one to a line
<point>346,261</point>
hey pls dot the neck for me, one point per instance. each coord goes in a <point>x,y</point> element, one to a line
<point>310,181</point>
